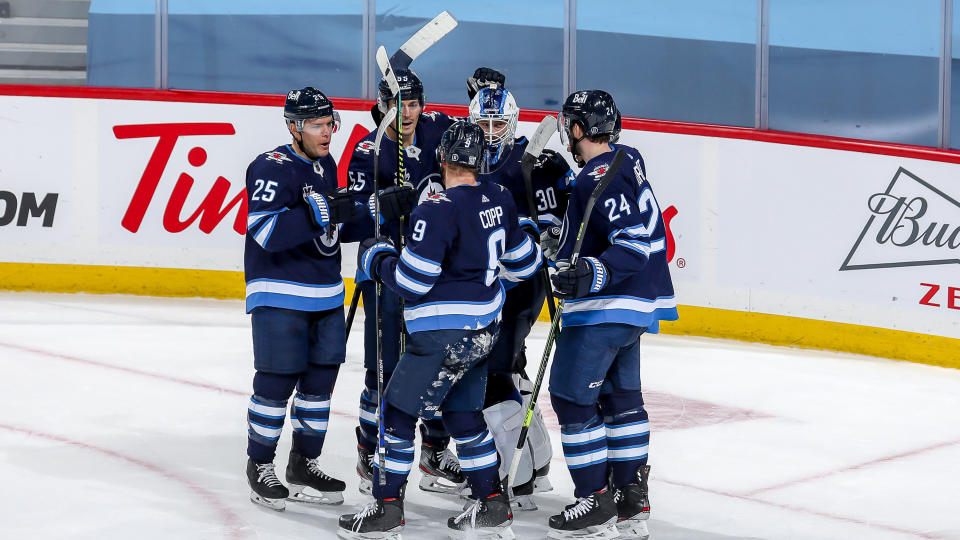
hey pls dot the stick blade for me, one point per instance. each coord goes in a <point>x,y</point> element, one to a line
<point>388,118</point>
<point>387,70</point>
<point>426,36</point>
<point>540,137</point>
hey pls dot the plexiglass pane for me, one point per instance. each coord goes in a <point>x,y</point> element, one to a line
<point>120,43</point>
<point>690,60</point>
<point>524,40</point>
<point>866,69</point>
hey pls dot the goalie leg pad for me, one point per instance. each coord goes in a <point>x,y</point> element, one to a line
<point>505,420</point>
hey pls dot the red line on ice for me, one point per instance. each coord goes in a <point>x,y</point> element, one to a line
<point>236,527</point>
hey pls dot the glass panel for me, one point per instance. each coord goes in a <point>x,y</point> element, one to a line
<point>690,60</point>
<point>118,35</point>
<point>524,40</point>
<point>271,47</point>
<point>866,69</point>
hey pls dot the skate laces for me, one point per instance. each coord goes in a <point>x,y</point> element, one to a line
<point>472,512</point>
<point>370,509</point>
<point>617,495</point>
<point>448,461</point>
<point>583,506</point>
<point>313,466</point>
<point>267,475</point>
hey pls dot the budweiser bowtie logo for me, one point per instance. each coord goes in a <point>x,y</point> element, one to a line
<point>912,223</point>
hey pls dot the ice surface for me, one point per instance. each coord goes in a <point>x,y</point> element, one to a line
<point>124,417</point>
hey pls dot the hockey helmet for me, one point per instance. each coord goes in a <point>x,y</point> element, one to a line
<point>462,144</point>
<point>496,112</point>
<point>594,110</point>
<point>307,103</point>
<point>410,88</point>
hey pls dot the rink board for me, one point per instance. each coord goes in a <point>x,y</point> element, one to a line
<point>775,237</point>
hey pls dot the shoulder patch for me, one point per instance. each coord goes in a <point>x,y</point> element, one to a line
<point>431,115</point>
<point>437,197</point>
<point>365,147</point>
<point>599,171</point>
<point>279,157</point>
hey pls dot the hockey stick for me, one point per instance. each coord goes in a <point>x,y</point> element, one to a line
<point>546,129</point>
<point>382,443</point>
<point>555,322</point>
<point>352,312</point>
<point>426,36</point>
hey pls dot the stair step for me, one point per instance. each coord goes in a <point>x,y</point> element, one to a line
<point>41,55</point>
<point>55,9</point>
<point>38,30</point>
<point>43,76</point>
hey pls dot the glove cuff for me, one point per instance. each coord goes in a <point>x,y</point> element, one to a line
<point>319,208</point>
<point>372,207</point>
<point>372,255</point>
<point>600,274</point>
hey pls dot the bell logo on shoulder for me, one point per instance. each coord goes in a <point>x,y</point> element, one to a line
<point>279,157</point>
<point>599,171</point>
<point>365,147</point>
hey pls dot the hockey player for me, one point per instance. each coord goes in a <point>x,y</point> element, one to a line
<point>618,289</point>
<point>495,110</point>
<point>421,134</point>
<point>295,299</point>
<point>449,275</point>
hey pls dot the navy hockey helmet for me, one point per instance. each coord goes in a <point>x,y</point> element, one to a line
<point>307,103</point>
<point>462,144</point>
<point>410,88</point>
<point>594,110</point>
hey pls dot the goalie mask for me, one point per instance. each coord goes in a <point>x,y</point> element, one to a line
<point>410,88</point>
<point>496,112</point>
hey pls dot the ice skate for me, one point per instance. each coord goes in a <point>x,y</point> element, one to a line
<point>381,519</point>
<point>265,487</point>
<point>303,474</point>
<point>521,497</point>
<point>633,507</point>
<point>365,470</point>
<point>441,470</point>
<point>593,516</point>
<point>542,482</point>
<point>487,518</point>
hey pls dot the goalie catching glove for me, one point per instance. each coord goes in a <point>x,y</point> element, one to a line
<point>484,77</point>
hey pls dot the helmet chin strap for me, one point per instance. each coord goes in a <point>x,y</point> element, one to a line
<point>573,150</point>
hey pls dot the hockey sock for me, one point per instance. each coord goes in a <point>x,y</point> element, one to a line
<point>433,432</point>
<point>265,414</point>
<point>368,435</point>
<point>399,427</point>
<point>476,451</point>
<point>311,409</point>
<point>584,440</point>
<point>628,435</point>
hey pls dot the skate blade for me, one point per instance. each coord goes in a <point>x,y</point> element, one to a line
<point>633,528</point>
<point>542,485</point>
<point>274,504</point>
<point>524,503</point>
<point>596,532</point>
<point>366,486</point>
<point>486,533</point>
<point>392,534</point>
<point>301,495</point>
<point>435,484</point>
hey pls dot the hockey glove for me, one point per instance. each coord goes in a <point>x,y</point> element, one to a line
<point>551,165</point>
<point>336,207</point>
<point>483,77</point>
<point>550,242</point>
<point>588,276</point>
<point>395,202</point>
<point>372,252</point>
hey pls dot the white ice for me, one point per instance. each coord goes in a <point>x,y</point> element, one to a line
<point>124,417</point>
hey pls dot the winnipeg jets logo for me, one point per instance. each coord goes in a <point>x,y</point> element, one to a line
<point>279,157</point>
<point>317,168</point>
<point>329,242</point>
<point>413,152</point>
<point>599,171</point>
<point>365,147</point>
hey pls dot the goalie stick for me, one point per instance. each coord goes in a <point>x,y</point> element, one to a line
<point>539,140</point>
<point>422,40</point>
<point>555,322</point>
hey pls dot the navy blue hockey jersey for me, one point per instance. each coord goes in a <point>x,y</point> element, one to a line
<point>289,261</point>
<point>449,272</point>
<point>627,235</point>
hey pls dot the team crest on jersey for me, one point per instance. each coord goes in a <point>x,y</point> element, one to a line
<point>430,185</point>
<point>317,168</point>
<point>279,157</point>
<point>599,171</point>
<point>365,147</point>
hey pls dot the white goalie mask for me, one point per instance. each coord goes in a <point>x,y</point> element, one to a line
<point>496,112</point>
